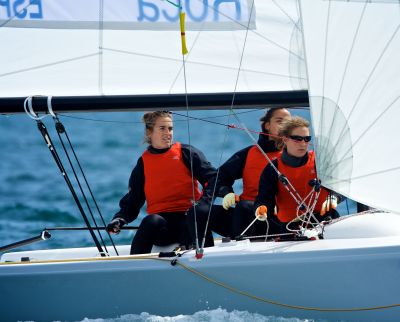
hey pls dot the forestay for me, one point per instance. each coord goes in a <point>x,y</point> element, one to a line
<point>118,47</point>
<point>352,54</point>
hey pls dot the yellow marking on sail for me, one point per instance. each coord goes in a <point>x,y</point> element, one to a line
<point>183,36</point>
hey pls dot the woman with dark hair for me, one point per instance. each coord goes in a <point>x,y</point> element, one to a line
<point>274,202</point>
<point>247,164</point>
<point>166,176</point>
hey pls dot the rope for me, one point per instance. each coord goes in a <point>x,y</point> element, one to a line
<point>57,123</point>
<point>269,301</point>
<point>46,136</point>
<point>210,280</point>
<point>43,130</point>
<point>61,129</point>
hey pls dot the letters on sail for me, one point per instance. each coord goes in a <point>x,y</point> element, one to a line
<point>137,14</point>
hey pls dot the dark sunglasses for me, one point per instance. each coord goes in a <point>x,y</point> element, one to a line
<point>300,138</point>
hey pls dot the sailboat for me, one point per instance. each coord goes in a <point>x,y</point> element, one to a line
<point>341,57</point>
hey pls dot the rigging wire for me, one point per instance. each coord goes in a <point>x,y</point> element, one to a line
<point>204,119</point>
<point>215,186</point>
<point>184,52</point>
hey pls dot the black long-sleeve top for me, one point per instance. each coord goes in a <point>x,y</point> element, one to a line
<point>133,201</point>
<point>233,168</point>
<point>268,186</point>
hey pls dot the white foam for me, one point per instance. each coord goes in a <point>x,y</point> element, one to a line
<point>218,315</point>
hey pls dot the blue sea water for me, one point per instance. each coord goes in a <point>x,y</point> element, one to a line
<point>33,194</point>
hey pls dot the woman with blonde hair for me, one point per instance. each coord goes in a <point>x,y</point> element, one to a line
<point>297,166</point>
<point>166,176</point>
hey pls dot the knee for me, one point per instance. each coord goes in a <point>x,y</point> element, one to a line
<point>152,222</point>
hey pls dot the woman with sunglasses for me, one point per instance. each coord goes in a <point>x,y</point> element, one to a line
<point>163,178</point>
<point>247,164</point>
<point>274,202</point>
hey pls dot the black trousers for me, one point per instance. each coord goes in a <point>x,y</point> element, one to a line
<point>161,229</point>
<point>227,223</point>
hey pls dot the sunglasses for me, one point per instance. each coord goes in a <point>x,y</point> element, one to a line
<point>299,138</point>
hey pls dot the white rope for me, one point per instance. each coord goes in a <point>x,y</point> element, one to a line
<point>248,226</point>
<point>267,230</point>
<point>305,218</point>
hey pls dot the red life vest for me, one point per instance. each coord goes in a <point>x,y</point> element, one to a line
<point>299,178</point>
<point>168,182</point>
<point>255,164</point>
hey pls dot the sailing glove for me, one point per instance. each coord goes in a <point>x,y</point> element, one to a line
<point>229,200</point>
<point>329,204</point>
<point>261,213</point>
<point>115,225</point>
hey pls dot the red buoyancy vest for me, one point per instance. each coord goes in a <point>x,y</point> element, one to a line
<point>254,166</point>
<point>168,182</point>
<point>299,178</point>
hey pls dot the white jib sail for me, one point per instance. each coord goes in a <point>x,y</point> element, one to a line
<point>352,57</point>
<point>111,47</point>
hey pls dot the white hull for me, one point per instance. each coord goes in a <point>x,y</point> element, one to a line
<point>341,273</point>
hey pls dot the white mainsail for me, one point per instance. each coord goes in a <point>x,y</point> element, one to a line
<point>53,47</point>
<point>352,57</point>
<point>117,47</point>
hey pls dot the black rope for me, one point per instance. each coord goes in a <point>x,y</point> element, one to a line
<point>43,130</point>
<point>61,129</point>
